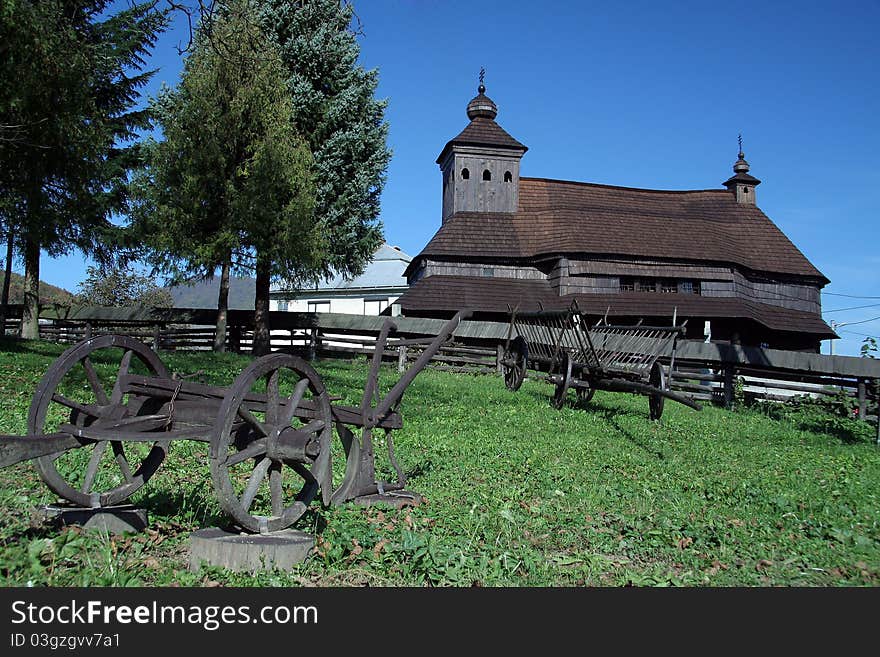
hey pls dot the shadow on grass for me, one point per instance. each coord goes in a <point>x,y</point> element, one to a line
<point>847,430</point>
<point>15,345</point>
<point>175,505</point>
<point>849,433</point>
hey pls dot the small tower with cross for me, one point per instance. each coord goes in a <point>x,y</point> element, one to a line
<point>481,165</point>
<point>741,183</point>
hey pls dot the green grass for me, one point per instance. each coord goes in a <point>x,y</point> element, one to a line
<point>518,494</point>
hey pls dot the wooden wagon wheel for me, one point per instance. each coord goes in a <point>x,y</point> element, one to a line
<point>270,450</point>
<point>78,389</point>
<point>585,392</point>
<point>514,364</point>
<point>657,380</point>
<point>559,394</point>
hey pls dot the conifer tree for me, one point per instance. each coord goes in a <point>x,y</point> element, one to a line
<point>336,112</point>
<point>231,185</point>
<point>70,77</point>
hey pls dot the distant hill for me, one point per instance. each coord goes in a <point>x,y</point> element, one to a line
<point>48,293</point>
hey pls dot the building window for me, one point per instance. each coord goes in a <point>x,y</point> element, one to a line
<point>319,306</point>
<point>465,174</point>
<point>374,306</point>
<point>645,285</point>
<point>508,177</point>
<point>487,175</point>
<point>282,305</point>
<point>667,286</point>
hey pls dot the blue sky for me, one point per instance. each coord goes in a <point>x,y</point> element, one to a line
<point>639,94</point>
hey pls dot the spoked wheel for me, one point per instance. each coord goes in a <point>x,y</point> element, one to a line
<point>559,394</point>
<point>514,364</point>
<point>585,392</point>
<point>84,386</point>
<point>270,451</point>
<point>657,380</point>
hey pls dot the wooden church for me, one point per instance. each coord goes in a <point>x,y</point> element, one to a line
<point>709,256</point>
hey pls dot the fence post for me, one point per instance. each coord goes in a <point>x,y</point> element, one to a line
<point>235,338</point>
<point>88,330</point>
<point>313,344</point>
<point>499,356</point>
<point>862,400</point>
<point>728,387</point>
<point>401,358</point>
<point>876,387</point>
<point>156,337</point>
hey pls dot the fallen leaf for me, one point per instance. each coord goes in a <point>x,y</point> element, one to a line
<point>762,564</point>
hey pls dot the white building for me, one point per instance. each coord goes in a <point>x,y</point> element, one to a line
<point>369,294</point>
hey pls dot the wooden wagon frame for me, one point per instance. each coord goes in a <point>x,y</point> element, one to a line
<point>572,354</point>
<point>269,434</point>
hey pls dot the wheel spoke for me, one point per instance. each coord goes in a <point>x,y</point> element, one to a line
<point>293,402</point>
<point>116,395</point>
<point>256,478</point>
<point>248,417</point>
<point>119,452</point>
<point>95,382</point>
<point>92,469</point>
<point>275,476</point>
<point>76,406</point>
<point>255,449</point>
<point>313,427</point>
<point>273,397</point>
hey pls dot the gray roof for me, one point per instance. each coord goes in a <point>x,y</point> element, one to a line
<point>203,294</point>
<point>384,271</point>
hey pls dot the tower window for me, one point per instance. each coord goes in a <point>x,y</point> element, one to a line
<point>508,177</point>
<point>465,174</point>
<point>487,175</point>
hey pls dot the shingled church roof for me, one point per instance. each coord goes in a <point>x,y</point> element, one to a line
<point>561,217</point>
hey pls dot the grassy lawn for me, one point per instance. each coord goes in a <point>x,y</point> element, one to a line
<point>518,494</point>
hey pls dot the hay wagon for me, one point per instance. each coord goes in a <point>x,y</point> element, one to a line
<point>571,354</point>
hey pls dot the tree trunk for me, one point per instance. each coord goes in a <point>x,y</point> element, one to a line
<point>222,308</point>
<point>30,312</point>
<point>4,296</point>
<point>261,309</point>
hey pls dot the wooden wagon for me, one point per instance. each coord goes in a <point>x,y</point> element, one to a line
<point>574,355</point>
<point>107,411</point>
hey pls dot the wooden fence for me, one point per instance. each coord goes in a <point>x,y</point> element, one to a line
<point>715,373</point>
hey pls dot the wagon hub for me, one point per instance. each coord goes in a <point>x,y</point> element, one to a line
<point>292,446</point>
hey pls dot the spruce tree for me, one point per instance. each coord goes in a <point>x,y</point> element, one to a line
<point>336,112</point>
<point>71,78</point>
<point>231,184</point>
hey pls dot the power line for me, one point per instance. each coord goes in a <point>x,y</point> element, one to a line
<point>864,335</point>
<point>863,321</point>
<point>840,310</point>
<point>849,296</point>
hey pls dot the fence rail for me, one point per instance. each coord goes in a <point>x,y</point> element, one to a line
<point>716,373</point>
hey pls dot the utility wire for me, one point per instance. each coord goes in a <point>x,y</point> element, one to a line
<point>864,321</point>
<point>840,310</point>
<point>850,296</point>
<point>864,335</point>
